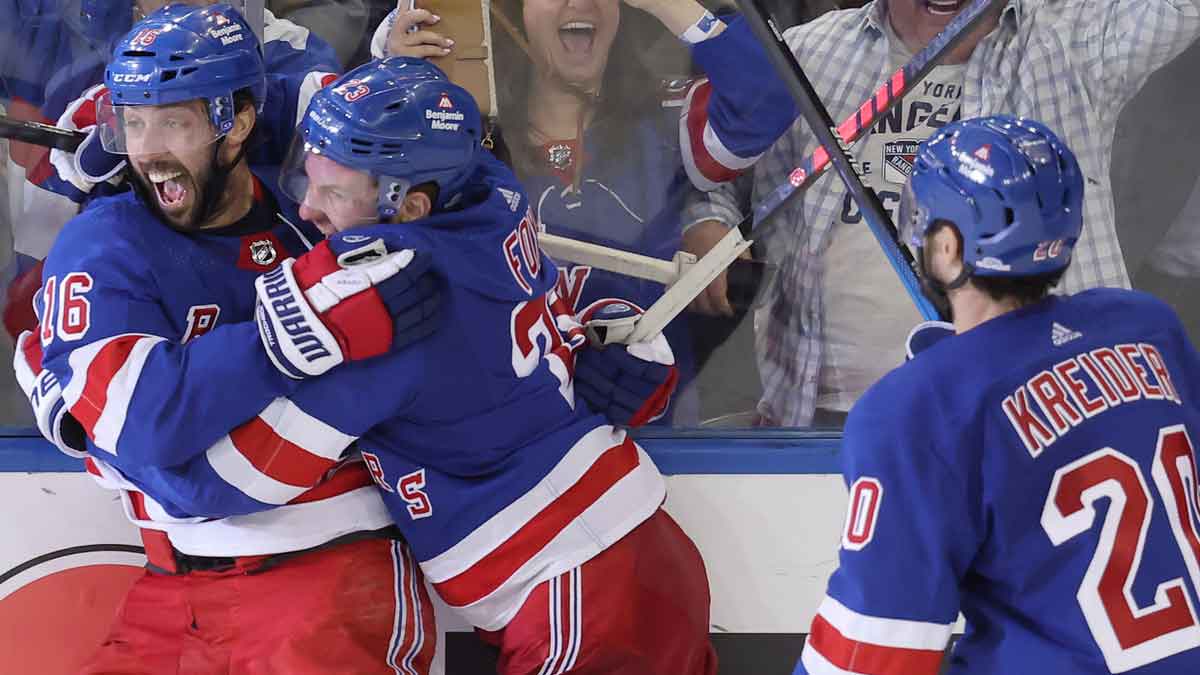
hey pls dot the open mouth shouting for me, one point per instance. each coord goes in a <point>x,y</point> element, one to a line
<point>172,187</point>
<point>577,37</point>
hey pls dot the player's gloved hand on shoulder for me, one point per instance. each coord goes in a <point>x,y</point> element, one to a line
<point>90,164</point>
<point>42,389</point>
<point>632,384</point>
<point>924,335</point>
<point>356,295</point>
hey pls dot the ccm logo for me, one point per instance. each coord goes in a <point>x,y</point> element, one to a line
<point>131,78</point>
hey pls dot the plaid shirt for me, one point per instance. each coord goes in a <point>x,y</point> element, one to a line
<point>1071,64</point>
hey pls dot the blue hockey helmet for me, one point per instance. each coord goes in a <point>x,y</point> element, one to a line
<point>400,120</point>
<point>182,53</point>
<point>1010,186</point>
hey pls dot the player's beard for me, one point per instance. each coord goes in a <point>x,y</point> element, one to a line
<point>210,188</point>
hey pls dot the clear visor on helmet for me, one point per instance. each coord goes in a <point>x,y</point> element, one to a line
<point>151,129</point>
<point>913,219</point>
<point>338,195</point>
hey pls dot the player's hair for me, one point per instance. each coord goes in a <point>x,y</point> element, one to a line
<point>1025,290</point>
<point>628,91</point>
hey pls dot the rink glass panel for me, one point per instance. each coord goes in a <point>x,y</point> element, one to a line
<point>629,191</point>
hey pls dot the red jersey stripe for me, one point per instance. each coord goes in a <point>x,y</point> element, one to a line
<point>487,574</point>
<point>277,457</point>
<point>100,372</point>
<point>867,658</point>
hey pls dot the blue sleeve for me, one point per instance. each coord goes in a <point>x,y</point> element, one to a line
<point>141,397</point>
<point>746,114</point>
<point>909,537</point>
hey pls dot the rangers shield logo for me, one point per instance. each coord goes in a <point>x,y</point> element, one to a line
<point>898,158</point>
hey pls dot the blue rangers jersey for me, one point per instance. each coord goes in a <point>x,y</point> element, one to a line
<point>1038,474</point>
<point>496,476</point>
<point>150,334</point>
<point>71,54</point>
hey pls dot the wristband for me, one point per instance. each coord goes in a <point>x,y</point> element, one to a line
<point>703,29</point>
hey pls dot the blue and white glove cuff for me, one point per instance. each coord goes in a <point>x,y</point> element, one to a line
<point>295,338</point>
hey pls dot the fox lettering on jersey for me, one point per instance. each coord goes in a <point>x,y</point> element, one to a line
<point>200,320</point>
<point>523,254</point>
<point>1061,398</point>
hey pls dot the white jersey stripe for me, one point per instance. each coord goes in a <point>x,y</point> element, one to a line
<point>234,468</point>
<point>501,526</point>
<point>723,155</point>
<point>626,504</point>
<point>898,633</point>
<point>120,392</point>
<point>299,428</point>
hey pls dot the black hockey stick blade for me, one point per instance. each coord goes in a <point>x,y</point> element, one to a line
<point>36,133</point>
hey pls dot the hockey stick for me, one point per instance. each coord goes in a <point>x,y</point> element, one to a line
<point>884,99</point>
<point>837,148</point>
<point>36,133</point>
<point>696,278</point>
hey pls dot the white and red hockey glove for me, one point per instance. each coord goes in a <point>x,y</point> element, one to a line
<point>632,384</point>
<point>90,164</point>
<point>924,335</point>
<point>42,389</point>
<point>356,295</point>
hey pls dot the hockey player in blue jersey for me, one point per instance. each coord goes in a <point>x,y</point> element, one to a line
<point>532,517</point>
<point>72,41</point>
<point>153,359</point>
<point>1035,470</point>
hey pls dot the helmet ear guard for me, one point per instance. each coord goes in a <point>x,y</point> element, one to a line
<point>392,192</point>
